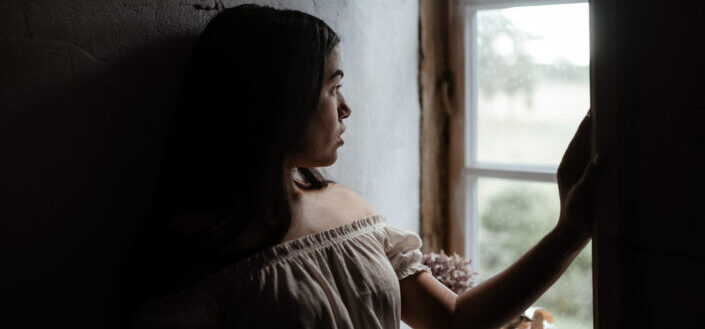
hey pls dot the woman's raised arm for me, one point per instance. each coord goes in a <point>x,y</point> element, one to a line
<point>426,303</point>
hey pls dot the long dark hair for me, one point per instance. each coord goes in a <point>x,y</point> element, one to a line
<point>249,90</point>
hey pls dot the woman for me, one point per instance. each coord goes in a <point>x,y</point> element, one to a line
<point>248,234</point>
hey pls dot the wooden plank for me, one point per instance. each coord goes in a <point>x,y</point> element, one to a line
<point>434,84</point>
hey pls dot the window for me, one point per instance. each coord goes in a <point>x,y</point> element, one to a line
<point>527,89</point>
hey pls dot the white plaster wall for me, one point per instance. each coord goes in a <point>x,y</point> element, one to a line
<point>84,88</point>
<point>380,158</point>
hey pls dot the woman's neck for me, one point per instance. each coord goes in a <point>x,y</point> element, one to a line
<point>297,183</point>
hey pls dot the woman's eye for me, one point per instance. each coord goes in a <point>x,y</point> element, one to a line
<point>336,88</point>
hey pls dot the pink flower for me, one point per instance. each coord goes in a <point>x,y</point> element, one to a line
<point>453,271</point>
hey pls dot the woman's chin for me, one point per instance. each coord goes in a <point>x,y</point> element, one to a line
<point>333,157</point>
<point>330,161</point>
<point>325,162</point>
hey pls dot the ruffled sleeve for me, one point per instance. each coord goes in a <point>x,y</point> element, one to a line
<point>403,248</point>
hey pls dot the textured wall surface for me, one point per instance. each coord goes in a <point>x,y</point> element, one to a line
<point>84,88</point>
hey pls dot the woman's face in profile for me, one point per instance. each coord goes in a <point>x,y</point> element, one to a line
<point>322,136</point>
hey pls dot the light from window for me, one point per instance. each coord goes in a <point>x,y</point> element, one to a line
<point>533,81</point>
<point>514,216</point>
<point>530,68</point>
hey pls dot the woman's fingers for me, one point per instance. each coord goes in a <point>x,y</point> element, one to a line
<point>576,156</point>
<point>578,151</point>
<point>580,201</point>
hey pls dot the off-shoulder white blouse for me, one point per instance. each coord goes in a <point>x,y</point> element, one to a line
<point>345,277</point>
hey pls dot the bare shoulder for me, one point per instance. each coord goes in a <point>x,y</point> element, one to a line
<point>327,208</point>
<point>350,202</point>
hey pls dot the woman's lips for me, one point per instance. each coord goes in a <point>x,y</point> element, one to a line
<point>340,138</point>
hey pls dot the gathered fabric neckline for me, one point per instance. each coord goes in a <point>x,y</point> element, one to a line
<point>306,243</point>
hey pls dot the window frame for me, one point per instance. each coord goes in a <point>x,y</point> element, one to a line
<point>472,169</point>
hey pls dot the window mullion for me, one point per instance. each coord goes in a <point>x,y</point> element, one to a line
<point>526,173</point>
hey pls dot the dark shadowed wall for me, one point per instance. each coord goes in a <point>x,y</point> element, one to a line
<point>647,92</point>
<point>85,88</point>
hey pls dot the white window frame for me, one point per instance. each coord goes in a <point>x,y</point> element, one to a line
<point>474,169</point>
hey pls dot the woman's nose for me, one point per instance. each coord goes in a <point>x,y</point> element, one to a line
<point>344,109</point>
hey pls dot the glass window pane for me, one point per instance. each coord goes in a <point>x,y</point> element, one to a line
<point>533,82</point>
<point>514,216</point>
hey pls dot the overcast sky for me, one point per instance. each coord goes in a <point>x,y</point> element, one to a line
<point>563,31</point>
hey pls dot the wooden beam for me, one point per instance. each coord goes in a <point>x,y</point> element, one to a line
<point>435,84</point>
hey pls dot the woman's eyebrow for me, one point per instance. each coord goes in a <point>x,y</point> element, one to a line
<point>336,73</point>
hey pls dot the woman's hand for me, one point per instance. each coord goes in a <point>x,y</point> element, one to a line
<point>577,182</point>
<point>500,298</point>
